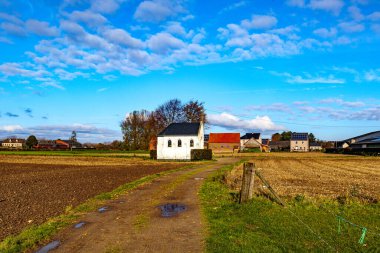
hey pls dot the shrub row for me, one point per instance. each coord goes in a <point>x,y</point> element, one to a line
<point>153,154</point>
<point>201,154</point>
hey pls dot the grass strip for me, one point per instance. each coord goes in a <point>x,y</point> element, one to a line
<point>34,235</point>
<point>86,153</point>
<point>264,226</point>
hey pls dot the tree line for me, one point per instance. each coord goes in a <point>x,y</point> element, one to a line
<point>140,127</point>
<point>286,135</point>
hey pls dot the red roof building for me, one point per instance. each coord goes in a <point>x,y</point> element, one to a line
<point>224,142</point>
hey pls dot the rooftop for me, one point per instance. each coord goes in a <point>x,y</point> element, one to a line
<point>224,138</point>
<point>248,136</point>
<point>180,129</point>
<point>299,137</point>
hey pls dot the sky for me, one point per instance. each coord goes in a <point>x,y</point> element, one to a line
<point>258,66</point>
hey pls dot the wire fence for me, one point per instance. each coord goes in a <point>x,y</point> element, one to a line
<point>340,219</point>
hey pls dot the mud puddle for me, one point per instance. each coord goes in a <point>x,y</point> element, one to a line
<point>170,210</point>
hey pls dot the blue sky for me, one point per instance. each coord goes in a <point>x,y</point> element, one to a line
<point>267,66</point>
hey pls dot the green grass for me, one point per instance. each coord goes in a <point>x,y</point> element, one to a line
<point>34,235</point>
<point>264,226</point>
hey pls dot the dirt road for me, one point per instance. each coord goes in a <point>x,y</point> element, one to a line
<point>133,223</point>
<point>32,192</point>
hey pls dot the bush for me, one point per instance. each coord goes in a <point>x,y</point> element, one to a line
<point>201,154</point>
<point>153,154</point>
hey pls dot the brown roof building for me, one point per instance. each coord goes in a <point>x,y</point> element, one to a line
<point>224,142</point>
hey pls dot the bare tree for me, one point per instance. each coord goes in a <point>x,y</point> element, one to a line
<point>194,111</point>
<point>169,112</point>
<point>137,130</point>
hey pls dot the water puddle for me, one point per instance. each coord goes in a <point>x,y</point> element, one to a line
<point>170,210</point>
<point>50,246</point>
<point>199,178</point>
<point>103,209</point>
<point>79,225</point>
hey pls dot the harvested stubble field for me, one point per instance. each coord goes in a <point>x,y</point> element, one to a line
<point>317,175</point>
<point>34,188</point>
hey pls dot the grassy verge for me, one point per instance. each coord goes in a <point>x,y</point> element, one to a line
<point>34,235</point>
<point>263,226</point>
<point>91,153</point>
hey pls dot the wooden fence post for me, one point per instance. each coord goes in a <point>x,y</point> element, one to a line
<point>247,183</point>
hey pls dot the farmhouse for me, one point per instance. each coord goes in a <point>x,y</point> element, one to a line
<point>224,142</point>
<point>177,140</point>
<point>251,141</point>
<point>315,146</point>
<point>13,143</point>
<point>299,142</point>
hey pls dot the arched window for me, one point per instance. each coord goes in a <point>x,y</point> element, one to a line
<point>191,143</point>
<point>179,143</point>
<point>169,143</point>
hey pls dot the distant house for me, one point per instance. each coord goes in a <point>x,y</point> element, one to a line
<point>279,145</point>
<point>206,139</point>
<point>299,142</point>
<point>369,140</point>
<point>70,144</point>
<point>45,145</point>
<point>315,146</point>
<point>265,145</point>
<point>13,143</point>
<point>177,140</point>
<point>251,141</point>
<point>224,142</point>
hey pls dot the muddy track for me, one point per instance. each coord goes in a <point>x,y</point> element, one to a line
<point>133,223</point>
<point>32,193</point>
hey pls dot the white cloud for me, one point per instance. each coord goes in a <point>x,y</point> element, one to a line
<point>309,79</point>
<point>101,90</point>
<point>339,101</point>
<point>355,13</point>
<point>229,121</point>
<point>88,17</point>
<point>163,42</point>
<point>351,27</point>
<point>104,6</point>
<point>325,33</point>
<point>10,128</point>
<point>372,75</point>
<point>41,28</point>
<point>85,132</point>
<point>234,6</point>
<point>333,6</point>
<point>17,69</point>
<point>297,3</point>
<point>276,107</point>
<point>157,10</point>
<point>259,22</point>
<point>122,38</point>
<point>374,16</point>
<point>13,29</point>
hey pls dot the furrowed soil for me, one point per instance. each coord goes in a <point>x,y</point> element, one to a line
<point>34,188</point>
<point>317,175</point>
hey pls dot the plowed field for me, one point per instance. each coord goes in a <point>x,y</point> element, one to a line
<point>33,189</point>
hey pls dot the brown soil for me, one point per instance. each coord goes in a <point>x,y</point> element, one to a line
<point>134,223</point>
<point>32,192</point>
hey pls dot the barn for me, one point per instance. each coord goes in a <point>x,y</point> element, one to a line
<point>224,142</point>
